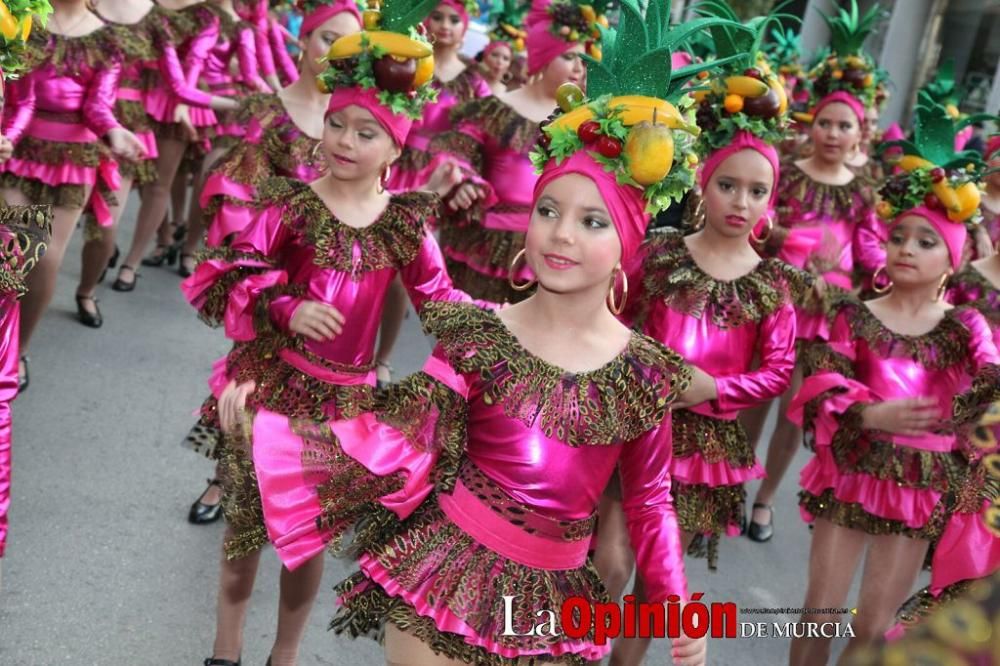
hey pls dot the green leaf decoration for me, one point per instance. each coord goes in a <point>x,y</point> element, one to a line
<point>848,29</point>
<point>401,15</point>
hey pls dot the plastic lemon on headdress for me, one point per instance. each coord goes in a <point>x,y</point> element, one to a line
<point>16,20</point>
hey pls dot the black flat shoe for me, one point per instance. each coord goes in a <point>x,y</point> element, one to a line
<point>761,532</point>
<point>122,285</point>
<point>203,514</point>
<point>22,382</point>
<point>86,317</point>
<point>212,661</point>
<point>112,262</point>
<point>183,269</point>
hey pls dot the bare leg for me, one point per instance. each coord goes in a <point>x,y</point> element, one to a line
<point>405,649</point>
<point>785,443</point>
<point>833,559</point>
<point>298,593</point>
<point>892,565</point>
<point>753,421</point>
<point>97,251</point>
<point>196,221</point>
<point>41,282</point>
<point>154,204</point>
<point>613,556</point>
<point>236,578</point>
<point>393,313</point>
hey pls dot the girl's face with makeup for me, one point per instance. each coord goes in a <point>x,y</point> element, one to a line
<point>737,193</point>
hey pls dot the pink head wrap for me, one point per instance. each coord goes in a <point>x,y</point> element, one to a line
<point>459,7</point>
<point>321,15</point>
<point>495,44</point>
<point>543,47</point>
<point>396,124</point>
<point>625,203</point>
<point>742,140</point>
<point>953,233</point>
<point>992,146</point>
<point>844,98</point>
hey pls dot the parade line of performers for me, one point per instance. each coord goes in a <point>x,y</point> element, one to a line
<point>629,242</point>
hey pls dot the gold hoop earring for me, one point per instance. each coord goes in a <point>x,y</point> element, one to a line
<point>525,286</point>
<point>942,287</point>
<point>877,289</point>
<point>766,237</point>
<point>383,179</point>
<point>619,307</point>
<point>698,217</point>
<point>313,156</point>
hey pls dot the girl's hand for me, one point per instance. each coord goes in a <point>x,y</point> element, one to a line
<point>182,116</point>
<point>317,321</point>
<point>445,177</point>
<point>906,416</point>
<point>466,195</point>
<point>687,651</point>
<point>702,389</point>
<point>125,145</point>
<point>6,148</point>
<point>232,405</point>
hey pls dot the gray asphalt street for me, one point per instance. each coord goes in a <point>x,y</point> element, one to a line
<point>102,566</point>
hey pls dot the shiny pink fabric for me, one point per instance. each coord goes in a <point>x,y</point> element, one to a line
<point>10,315</point>
<point>878,378</point>
<point>967,550</point>
<point>324,13</point>
<point>625,203</point>
<point>542,46</point>
<point>953,233</point>
<point>844,98</point>
<point>224,52</point>
<point>742,140</point>
<point>436,117</point>
<point>396,124</point>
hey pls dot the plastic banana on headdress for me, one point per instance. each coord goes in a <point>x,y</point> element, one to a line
<point>935,181</point>
<point>847,75</point>
<point>744,94</point>
<point>507,17</point>
<point>386,68</point>
<point>16,20</point>
<point>630,124</point>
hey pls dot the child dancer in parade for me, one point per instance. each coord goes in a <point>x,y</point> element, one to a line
<point>492,140</point>
<point>24,232</point>
<point>283,138</point>
<point>62,110</point>
<point>519,462</point>
<point>826,224</point>
<point>316,255</point>
<point>506,42</point>
<point>890,399</point>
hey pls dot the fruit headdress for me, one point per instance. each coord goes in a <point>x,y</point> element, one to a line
<point>508,22</point>
<point>784,51</point>
<point>942,88</point>
<point>630,125</point>
<point>744,95</point>
<point>567,21</point>
<point>847,69</point>
<point>391,57</point>
<point>16,17</point>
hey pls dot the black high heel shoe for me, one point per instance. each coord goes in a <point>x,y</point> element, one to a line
<point>761,532</point>
<point>120,284</point>
<point>112,262</point>
<point>159,255</point>
<point>212,661</point>
<point>86,317</point>
<point>203,514</point>
<point>22,382</point>
<point>183,269</point>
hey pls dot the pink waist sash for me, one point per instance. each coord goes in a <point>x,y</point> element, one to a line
<point>130,94</point>
<point>52,130</point>
<point>540,549</point>
<point>341,376</point>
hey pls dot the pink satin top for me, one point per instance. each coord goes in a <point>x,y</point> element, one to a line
<point>970,287</point>
<point>301,252</point>
<point>436,119</point>
<point>83,83</point>
<point>514,416</point>
<point>211,56</point>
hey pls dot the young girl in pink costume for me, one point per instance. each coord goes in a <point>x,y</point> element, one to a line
<point>269,39</point>
<point>282,139</point>
<point>59,111</point>
<point>179,39</point>
<point>316,254</point>
<point>230,42</point>
<point>494,435</point>
<point>826,224</point>
<point>491,140</point>
<point>506,42</point>
<point>887,406</point>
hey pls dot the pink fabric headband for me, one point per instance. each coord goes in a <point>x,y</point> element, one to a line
<point>742,140</point>
<point>321,15</point>
<point>953,233</point>
<point>844,98</point>
<point>396,124</point>
<point>543,47</point>
<point>459,7</point>
<point>495,44</point>
<point>624,202</point>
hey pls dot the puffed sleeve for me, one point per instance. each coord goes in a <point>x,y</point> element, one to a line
<point>276,33</point>
<point>777,361</point>
<point>868,244</point>
<point>262,44</point>
<point>426,278</point>
<point>246,52</point>
<point>20,106</point>
<point>198,48</point>
<point>320,480</point>
<point>649,513</point>
<point>173,73</point>
<point>99,102</point>
<point>983,366</point>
